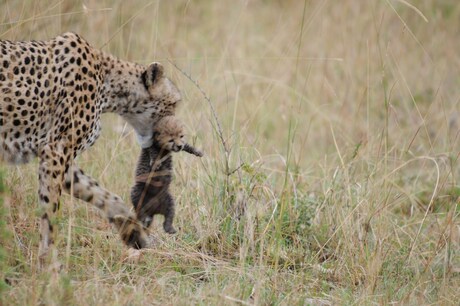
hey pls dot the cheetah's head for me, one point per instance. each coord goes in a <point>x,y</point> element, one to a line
<point>169,134</point>
<point>154,97</point>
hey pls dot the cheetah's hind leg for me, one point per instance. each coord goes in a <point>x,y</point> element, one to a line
<point>51,176</point>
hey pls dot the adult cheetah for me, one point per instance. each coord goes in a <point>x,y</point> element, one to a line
<point>52,96</point>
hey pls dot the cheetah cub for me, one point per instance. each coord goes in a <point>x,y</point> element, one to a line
<point>150,195</point>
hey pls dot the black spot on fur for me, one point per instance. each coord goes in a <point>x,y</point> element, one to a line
<point>89,198</point>
<point>144,79</point>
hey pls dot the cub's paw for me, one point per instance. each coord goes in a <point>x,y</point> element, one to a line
<point>169,229</point>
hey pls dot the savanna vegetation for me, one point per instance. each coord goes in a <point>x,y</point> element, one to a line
<point>330,176</point>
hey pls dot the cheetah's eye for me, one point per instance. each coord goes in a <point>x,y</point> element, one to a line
<point>171,140</point>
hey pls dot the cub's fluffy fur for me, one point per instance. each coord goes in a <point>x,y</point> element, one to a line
<point>150,195</point>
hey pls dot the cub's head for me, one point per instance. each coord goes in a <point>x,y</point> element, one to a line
<point>169,134</point>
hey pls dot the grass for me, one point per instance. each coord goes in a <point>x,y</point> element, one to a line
<point>334,179</point>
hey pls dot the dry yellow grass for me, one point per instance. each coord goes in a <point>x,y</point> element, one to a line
<point>337,182</point>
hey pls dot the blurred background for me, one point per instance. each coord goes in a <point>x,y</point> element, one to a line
<point>315,68</point>
<point>331,134</point>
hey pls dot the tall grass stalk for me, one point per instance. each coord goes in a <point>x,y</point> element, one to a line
<point>331,134</point>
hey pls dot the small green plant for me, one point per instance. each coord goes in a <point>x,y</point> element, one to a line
<point>4,236</point>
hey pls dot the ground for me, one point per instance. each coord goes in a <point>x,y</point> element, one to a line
<point>329,176</point>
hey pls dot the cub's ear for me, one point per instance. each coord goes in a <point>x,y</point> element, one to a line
<point>152,74</point>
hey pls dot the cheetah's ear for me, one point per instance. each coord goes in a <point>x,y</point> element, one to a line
<point>152,74</point>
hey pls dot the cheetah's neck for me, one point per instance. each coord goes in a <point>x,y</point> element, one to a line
<point>120,84</point>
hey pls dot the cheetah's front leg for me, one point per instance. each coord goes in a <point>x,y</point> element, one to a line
<point>87,189</point>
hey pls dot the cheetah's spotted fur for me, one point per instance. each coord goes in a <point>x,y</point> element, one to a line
<point>52,95</point>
